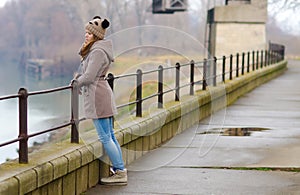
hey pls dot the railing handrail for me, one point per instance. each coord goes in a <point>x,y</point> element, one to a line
<point>259,60</point>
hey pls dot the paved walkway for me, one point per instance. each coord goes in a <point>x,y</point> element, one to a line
<point>197,163</point>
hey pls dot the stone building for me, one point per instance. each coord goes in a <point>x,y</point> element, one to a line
<point>238,26</point>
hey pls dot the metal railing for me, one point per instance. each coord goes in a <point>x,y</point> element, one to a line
<point>23,137</point>
<point>245,62</point>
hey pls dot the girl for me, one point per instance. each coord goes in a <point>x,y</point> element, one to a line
<point>99,105</point>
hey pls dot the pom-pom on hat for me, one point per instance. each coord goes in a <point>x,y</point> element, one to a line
<point>97,26</point>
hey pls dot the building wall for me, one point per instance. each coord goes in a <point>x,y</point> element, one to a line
<point>237,28</point>
<point>239,37</point>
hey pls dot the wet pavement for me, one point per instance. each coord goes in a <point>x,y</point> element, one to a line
<point>202,160</point>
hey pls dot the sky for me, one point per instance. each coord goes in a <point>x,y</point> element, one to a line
<point>290,25</point>
<point>2,2</point>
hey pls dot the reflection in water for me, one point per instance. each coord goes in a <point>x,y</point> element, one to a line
<point>44,111</point>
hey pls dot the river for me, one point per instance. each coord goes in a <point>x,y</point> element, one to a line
<point>44,111</point>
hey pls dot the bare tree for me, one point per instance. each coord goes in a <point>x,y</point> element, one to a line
<point>283,5</point>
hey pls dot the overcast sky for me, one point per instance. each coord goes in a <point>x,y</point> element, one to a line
<point>2,2</point>
<point>290,20</point>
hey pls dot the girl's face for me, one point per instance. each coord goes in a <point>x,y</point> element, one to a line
<point>88,37</point>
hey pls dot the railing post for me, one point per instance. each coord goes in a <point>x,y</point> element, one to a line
<point>248,61</point>
<point>23,143</point>
<point>237,64</point>
<point>257,59</point>
<point>75,113</point>
<point>230,67</point>
<point>215,72</point>
<point>160,86</point>
<point>266,57</point>
<point>270,57</point>
<point>253,60</point>
<point>243,62</point>
<point>139,93</point>
<point>279,56</point>
<point>192,74</point>
<point>110,80</point>
<point>223,68</point>
<point>282,52</point>
<point>177,87</point>
<point>261,59</point>
<point>204,83</point>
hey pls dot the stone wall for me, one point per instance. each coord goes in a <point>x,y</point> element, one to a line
<point>237,28</point>
<point>65,168</point>
<point>241,37</point>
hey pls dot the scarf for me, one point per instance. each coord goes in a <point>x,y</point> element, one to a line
<point>85,49</point>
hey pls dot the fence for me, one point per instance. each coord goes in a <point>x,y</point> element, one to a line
<point>243,63</point>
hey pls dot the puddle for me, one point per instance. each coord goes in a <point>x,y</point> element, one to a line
<point>238,131</point>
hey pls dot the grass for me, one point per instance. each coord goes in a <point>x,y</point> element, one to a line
<point>123,63</point>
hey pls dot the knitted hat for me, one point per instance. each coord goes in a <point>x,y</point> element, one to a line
<point>97,26</point>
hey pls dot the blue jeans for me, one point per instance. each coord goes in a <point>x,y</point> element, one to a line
<point>111,145</point>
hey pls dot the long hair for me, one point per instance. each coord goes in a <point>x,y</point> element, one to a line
<point>84,50</point>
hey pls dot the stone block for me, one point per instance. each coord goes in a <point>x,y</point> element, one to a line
<point>184,122</point>
<point>175,111</point>
<point>157,138</point>
<point>138,130</point>
<point>138,147</point>
<point>94,171</point>
<point>26,183</point>
<point>156,123</point>
<point>104,165</point>
<point>124,153</point>
<point>151,125</point>
<point>164,133</point>
<point>40,190</point>
<point>60,167</point>
<point>69,183</point>
<point>131,152</point>
<point>127,135</point>
<point>164,117</point>
<point>119,137</point>
<point>146,144</point>
<point>74,160</point>
<point>9,186</point>
<point>44,174</point>
<point>152,141</point>
<point>87,155</point>
<point>98,150</point>
<point>167,116</point>
<point>174,127</point>
<point>56,187</point>
<point>82,176</point>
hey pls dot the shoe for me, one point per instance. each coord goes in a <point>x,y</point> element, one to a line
<point>119,178</point>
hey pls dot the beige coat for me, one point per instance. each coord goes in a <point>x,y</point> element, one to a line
<point>97,95</point>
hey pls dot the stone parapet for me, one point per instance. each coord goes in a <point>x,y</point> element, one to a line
<point>65,168</point>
